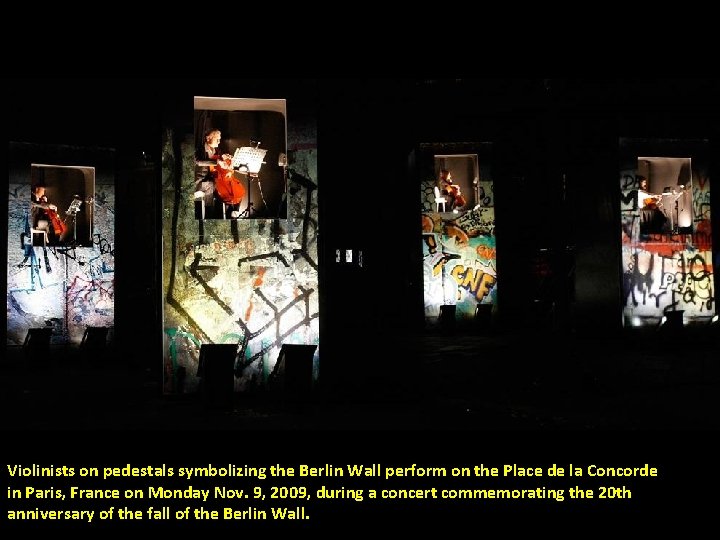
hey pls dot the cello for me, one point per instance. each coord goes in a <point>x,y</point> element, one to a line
<point>58,224</point>
<point>453,192</point>
<point>228,186</point>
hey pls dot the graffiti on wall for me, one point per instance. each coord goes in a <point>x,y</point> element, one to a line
<point>253,283</point>
<point>667,271</point>
<point>65,287</point>
<point>459,255</point>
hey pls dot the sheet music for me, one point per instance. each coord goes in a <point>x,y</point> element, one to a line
<point>250,157</point>
<point>74,206</point>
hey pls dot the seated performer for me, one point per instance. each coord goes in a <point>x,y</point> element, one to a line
<point>451,191</point>
<point>215,181</point>
<point>44,215</point>
<point>652,218</point>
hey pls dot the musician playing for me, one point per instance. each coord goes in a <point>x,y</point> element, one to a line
<point>451,191</point>
<point>43,213</point>
<point>215,181</point>
<point>652,218</point>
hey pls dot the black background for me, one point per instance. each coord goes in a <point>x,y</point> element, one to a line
<point>543,125</point>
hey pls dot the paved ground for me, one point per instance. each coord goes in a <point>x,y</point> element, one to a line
<point>530,399</point>
<point>467,382</point>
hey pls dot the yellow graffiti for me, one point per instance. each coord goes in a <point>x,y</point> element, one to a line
<point>473,280</point>
<point>439,264</point>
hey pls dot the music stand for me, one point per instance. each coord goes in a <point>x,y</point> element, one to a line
<point>668,192</point>
<point>248,160</point>
<point>72,210</point>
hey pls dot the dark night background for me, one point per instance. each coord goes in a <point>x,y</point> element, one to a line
<point>541,129</point>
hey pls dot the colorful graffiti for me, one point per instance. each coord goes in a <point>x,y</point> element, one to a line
<point>249,282</point>
<point>667,271</point>
<point>459,256</point>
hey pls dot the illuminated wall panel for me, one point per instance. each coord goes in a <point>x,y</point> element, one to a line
<point>459,252</point>
<point>63,286</point>
<point>666,235</point>
<point>250,282</point>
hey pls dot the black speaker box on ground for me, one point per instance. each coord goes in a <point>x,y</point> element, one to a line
<point>447,317</point>
<point>94,342</point>
<point>294,370</point>
<point>37,344</point>
<point>483,318</point>
<point>217,371</point>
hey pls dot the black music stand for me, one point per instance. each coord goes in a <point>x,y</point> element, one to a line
<point>248,160</point>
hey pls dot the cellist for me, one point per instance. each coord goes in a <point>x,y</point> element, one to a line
<point>218,183</point>
<point>451,191</point>
<point>44,215</point>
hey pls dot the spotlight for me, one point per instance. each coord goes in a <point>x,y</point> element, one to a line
<point>714,325</point>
